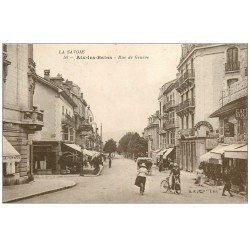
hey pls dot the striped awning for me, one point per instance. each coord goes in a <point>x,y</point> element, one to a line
<point>9,152</point>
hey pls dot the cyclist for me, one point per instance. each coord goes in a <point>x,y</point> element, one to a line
<point>175,172</point>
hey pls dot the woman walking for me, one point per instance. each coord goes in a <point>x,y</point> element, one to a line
<point>141,178</point>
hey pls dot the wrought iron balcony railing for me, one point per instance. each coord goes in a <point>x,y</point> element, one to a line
<point>232,66</point>
<point>185,80</point>
<point>187,105</point>
<point>68,120</point>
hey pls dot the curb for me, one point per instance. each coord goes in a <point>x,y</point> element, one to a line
<point>38,194</point>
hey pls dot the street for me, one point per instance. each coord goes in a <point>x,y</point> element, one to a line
<point>116,185</point>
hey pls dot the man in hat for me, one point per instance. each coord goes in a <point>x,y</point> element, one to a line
<point>141,177</point>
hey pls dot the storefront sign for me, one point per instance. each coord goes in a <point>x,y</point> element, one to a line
<point>204,123</point>
<point>229,129</point>
<point>241,113</point>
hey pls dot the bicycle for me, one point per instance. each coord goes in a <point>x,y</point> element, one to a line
<point>166,187</point>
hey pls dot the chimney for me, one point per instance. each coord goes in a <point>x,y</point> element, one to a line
<point>47,74</point>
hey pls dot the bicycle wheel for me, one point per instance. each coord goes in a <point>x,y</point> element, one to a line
<point>164,186</point>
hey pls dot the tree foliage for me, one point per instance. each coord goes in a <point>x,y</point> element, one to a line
<point>110,146</point>
<point>132,144</point>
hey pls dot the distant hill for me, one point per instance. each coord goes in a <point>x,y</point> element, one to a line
<point>117,135</point>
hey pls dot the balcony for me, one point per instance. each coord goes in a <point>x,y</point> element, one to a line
<point>186,107</point>
<point>169,105</point>
<point>185,80</point>
<point>169,124</point>
<point>68,120</point>
<point>32,119</point>
<point>187,133</point>
<point>232,67</point>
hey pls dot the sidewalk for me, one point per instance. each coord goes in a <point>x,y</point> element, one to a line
<point>37,187</point>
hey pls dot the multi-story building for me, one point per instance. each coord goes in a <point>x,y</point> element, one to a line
<point>169,121</point>
<point>21,118</point>
<point>151,133</point>
<point>203,70</point>
<point>93,139</point>
<point>232,114</point>
<point>58,135</point>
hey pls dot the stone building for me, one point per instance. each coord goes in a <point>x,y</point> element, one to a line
<point>232,114</point>
<point>169,122</point>
<point>21,118</point>
<point>151,133</point>
<point>203,71</point>
<point>58,135</point>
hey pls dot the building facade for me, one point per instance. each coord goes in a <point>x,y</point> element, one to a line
<point>21,119</point>
<point>59,124</point>
<point>151,133</point>
<point>203,71</point>
<point>232,114</point>
<point>169,121</point>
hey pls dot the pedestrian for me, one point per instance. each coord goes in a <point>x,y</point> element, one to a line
<point>110,161</point>
<point>141,177</point>
<point>227,183</point>
<point>175,172</point>
<point>200,176</point>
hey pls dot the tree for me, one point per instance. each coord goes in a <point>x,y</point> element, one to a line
<point>133,145</point>
<point>110,146</point>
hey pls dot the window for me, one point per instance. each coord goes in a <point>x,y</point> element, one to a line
<point>65,133</point>
<point>63,110</point>
<point>187,122</point>
<point>4,168</point>
<point>232,59</point>
<point>186,95</point>
<point>182,98</point>
<point>192,116</point>
<point>173,137</point>
<point>71,134</point>
<point>167,135</point>
<point>182,122</point>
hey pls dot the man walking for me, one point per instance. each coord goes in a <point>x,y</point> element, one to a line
<point>110,161</point>
<point>227,181</point>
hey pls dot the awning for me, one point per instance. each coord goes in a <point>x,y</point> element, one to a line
<point>218,151</point>
<point>89,152</point>
<point>230,107</point>
<point>209,157</point>
<point>237,153</point>
<point>9,152</point>
<point>75,147</point>
<point>169,150</point>
<point>206,157</point>
<point>162,152</point>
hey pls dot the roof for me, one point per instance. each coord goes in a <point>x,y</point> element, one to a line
<point>230,107</point>
<point>58,89</point>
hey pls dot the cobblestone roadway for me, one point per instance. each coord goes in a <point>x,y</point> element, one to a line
<point>116,185</point>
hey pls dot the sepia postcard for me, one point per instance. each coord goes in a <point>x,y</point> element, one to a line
<point>125,123</point>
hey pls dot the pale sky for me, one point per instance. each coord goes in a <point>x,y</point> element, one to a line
<point>122,93</point>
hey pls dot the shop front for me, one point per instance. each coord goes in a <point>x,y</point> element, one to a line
<point>237,162</point>
<point>217,160</point>
<point>11,159</point>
